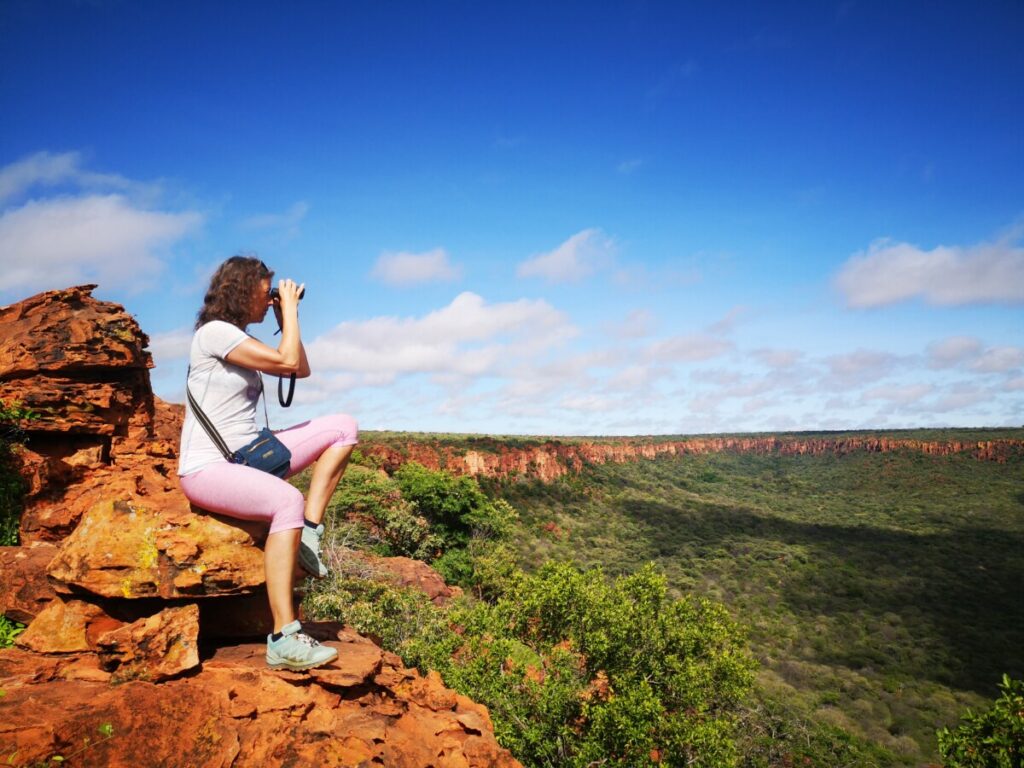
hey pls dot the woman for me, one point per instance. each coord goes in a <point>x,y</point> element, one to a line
<point>224,378</point>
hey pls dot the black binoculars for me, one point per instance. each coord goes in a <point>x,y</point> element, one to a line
<point>275,294</point>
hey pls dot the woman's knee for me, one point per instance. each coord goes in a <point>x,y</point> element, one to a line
<point>289,511</point>
<point>348,429</point>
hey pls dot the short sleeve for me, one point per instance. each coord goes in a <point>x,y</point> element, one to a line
<point>218,338</point>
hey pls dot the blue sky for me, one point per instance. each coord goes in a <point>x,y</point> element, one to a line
<point>546,218</point>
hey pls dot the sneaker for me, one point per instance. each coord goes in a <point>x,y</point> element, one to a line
<point>309,551</point>
<point>296,650</point>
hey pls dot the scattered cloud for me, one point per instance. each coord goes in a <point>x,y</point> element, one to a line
<point>636,325</point>
<point>777,358</point>
<point>952,351</point>
<point>728,323</point>
<point>689,348</point>
<point>405,268</point>
<point>999,360</point>
<point>860,367</point>
<point>967,352</point>
<point>288,221</point>
<point>581,255</point>
<point>47,169</point>
<point>170,345</point>
<point>467,338</point>
<point>890,272</point>
<point>898,394</point>
<point>104,239</point>
<point>626,167</point>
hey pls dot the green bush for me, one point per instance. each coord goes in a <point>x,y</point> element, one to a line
<point>388,522</point>
<point>576,668</point>
<point>455,506</point>
<point>8,631</point>
<point>12,485</point>
<point>990,739</point>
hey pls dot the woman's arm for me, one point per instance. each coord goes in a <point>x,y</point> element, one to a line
<point>290,355</point>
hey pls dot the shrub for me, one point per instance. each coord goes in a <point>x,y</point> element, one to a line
<point>991,739</point>
<point>12,485</point>
<point>576,668</point>
<point>389,522</point>
<point>8,631</point>
<point>455,506</point>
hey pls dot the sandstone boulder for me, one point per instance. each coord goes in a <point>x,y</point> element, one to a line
<point>154,648</point>
<point>127,549</point>
<point>365,708</point>
<point>24,588</point>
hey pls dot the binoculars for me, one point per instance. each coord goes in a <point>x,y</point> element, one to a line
<point>275,294</point>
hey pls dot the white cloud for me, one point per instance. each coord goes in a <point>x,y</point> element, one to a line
<point>729,322</point>
<point>889,272</point>
<point>170,345</point>
<point>636,325</point>
<point>689,348</point>
<point>952,351</point>
<point>860,367</point>
<point>581,255</point>
<point>405,268</point>
<point>48,169</point>
<point>95,238</point>
<point>899,395</point>
<point>777,358</point>
<point>289,220</point>
<point>999,360</point>
<point>467,338</point>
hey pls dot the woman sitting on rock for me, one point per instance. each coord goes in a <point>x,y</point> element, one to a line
<point>224,379</point>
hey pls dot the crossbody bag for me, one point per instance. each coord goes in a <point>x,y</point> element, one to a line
<point>265,453</point>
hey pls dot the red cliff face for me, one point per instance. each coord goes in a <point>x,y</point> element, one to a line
<point>130,594</point>
<point>554,459</point>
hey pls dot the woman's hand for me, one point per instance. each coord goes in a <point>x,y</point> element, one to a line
<point>290,355</point>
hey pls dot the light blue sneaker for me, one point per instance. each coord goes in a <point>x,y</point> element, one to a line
<point>309,551</point>
<point>296,650</point>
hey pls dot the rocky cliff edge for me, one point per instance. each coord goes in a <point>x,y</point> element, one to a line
<point>136,602</point>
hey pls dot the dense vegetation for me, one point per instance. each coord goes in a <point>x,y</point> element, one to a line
<point>12,489</point>
<point>990,739</point>
<point>881,592</point>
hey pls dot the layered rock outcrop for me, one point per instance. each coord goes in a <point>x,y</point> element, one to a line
<point>130,594</point>
<point>555,458</point>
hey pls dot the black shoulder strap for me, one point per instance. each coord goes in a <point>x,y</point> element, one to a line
<point>208,426</point>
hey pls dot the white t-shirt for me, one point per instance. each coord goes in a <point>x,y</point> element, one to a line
<point>227,394</point>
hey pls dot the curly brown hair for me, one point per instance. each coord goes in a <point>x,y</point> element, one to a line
<point>229,296</point>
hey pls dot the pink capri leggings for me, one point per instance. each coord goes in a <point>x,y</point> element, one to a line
<point>249,494</point>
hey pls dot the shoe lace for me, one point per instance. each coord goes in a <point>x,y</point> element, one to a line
<point>305,639</point>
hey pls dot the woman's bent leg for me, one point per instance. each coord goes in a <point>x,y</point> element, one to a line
<point>329,441</point>
<point>279,568</point>
<point>239,491</point>
<point>249,494</point>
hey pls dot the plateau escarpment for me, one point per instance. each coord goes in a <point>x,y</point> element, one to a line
<point>555,458</point>
<point>141,609</point>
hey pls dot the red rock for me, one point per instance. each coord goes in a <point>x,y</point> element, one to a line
<point>154,648</point>
<point>404,572</point>
<point>235,711</point>
<point>24,589</point>
<point>123,549</point>
<point>553,458</point>
<point>63,627</point>
<point>69,330</point>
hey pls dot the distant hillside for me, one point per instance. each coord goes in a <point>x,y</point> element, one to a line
<point>550,458</point>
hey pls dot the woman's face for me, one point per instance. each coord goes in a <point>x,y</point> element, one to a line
<point>260,301</point>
